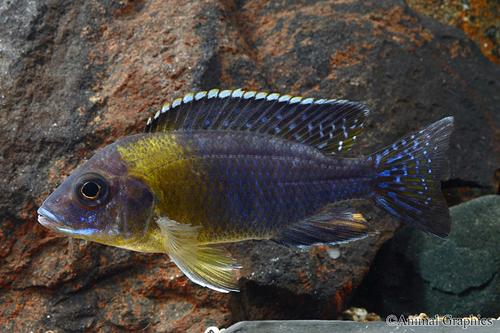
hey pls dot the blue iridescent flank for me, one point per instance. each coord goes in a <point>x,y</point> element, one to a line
<point>281,161</point>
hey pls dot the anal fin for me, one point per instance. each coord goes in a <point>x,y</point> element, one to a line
<point>206,265</point>
<point>331,225</point>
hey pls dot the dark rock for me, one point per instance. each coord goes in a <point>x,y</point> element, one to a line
<point>457,276</point>
<point>76,75</point>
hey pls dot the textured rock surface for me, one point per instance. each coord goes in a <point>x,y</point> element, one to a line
<point>479,19</point>
<point>458,276</point>
<point>75,75</point>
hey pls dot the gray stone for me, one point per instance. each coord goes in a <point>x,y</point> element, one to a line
<point>324,326</point>
<point>459,275</point>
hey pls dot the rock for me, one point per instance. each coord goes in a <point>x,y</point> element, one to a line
<point>458,276</point>
<point>477,18</point>
<point>75,76</point>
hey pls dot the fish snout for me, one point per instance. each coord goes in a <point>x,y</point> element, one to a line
<point>47,218</point>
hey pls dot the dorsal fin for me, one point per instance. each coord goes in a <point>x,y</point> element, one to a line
<point>331,125</point>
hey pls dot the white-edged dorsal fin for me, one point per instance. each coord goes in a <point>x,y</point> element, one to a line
<point>332,126</point>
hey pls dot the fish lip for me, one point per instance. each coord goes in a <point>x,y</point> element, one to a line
<point>46,214</point>
<point>48,219</point>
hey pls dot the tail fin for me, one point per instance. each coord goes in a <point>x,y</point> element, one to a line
<point>408,181</point>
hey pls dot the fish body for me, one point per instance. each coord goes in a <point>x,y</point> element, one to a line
<point>236,185</point>
<point>226,166</point>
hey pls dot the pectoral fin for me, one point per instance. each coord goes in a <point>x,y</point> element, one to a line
<point>206,265</point>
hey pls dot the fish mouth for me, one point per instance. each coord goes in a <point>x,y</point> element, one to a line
<point>47,219</point>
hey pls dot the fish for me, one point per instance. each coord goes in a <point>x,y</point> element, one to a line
<point>224,166</point>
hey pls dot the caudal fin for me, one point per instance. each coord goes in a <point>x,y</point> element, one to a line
<point>408,178</point>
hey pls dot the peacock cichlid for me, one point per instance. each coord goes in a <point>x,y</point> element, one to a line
<point>226,166</point>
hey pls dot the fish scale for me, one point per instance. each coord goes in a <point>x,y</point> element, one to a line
<point>252,180</point>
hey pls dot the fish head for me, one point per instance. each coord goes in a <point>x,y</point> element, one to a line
<point>100,202</point>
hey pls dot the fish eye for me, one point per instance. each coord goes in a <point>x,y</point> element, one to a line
<point>92,190</point>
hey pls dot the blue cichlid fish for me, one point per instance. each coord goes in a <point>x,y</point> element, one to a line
<point>226,166</point>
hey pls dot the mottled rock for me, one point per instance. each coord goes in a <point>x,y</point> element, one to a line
<point>76,75</point>
<point>477,18</point>
<point>457,276</point>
